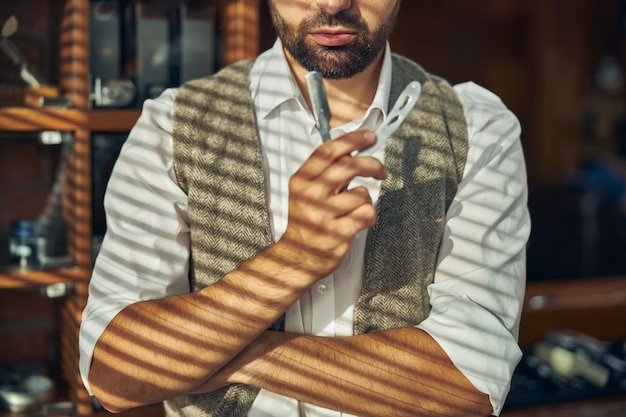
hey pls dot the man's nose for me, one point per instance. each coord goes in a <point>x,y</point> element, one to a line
<point>333,7</point>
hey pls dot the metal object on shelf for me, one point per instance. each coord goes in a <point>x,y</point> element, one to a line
<point>29,393</point>
<point>58,290</point>
<point>51,137</point>
<point>568,364</point>
<point>37,243</point>
<point>28,74</point>
<point>25,386</point>
<point>113,93</point>
<point>40,94</point>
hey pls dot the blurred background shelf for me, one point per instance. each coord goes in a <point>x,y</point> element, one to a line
<point>23,119</point>
<point>40,310</point>
<point>13,278</point>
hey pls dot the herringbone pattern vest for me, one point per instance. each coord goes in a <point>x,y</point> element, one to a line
<point>217,159</point>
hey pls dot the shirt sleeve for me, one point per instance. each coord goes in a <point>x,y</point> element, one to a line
<point>478,289</point>
<point>145,252</point>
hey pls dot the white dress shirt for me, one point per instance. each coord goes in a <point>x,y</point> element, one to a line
<point>479,283</point>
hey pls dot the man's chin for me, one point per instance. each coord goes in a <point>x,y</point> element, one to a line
<point>332,62</point>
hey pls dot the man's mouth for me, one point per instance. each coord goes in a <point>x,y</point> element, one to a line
<point>333,38</point>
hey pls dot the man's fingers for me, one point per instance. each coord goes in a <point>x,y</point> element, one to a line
<point>328,153</point>
<point>342,172</point>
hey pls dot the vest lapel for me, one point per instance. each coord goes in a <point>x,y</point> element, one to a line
<point>403,244</point>
<point>218,163</point>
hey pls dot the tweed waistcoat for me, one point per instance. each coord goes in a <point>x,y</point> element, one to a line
<point>218,163</point>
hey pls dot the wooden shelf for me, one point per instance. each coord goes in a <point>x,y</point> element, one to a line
<point>33,278</point>
<point>238,28</point>
<point>24,119</point>
<point>595,306</point>
<point>112,120</point>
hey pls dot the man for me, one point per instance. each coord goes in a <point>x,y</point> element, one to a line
<point>283,276</point>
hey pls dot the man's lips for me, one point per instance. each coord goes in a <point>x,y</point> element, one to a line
<point>330,38</point>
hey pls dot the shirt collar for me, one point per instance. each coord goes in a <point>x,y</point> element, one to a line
<point>279,87</point>
<point>381,99</point>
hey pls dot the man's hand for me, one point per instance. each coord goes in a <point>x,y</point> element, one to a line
<point>324,217</point>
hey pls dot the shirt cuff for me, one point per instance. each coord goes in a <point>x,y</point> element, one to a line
<point>489,360</point>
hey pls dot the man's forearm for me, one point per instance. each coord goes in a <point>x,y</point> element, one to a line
<point>399,372</point>
<point>158,349</point>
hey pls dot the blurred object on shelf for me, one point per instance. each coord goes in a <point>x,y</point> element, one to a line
<point>24,387</point>
<point>568,366</point>
<point>609,76</point>
<point>113,93</point>
<point>140,48</point>
<point>37,243</point>
<point>27,73</point>
<point>570,359</point>
<point>38,94</point>
<point>33,228</point>
<point>45,96</point>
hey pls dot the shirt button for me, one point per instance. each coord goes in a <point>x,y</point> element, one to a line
<point>322,288</point>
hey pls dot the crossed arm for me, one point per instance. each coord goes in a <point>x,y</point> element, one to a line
<point>198,342</point>
<point>189,344</point>
<point>398,372</point>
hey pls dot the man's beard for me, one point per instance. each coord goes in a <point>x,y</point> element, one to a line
<point>334,62</point>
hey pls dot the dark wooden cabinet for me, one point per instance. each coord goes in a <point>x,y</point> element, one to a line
<point>60,319</point>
